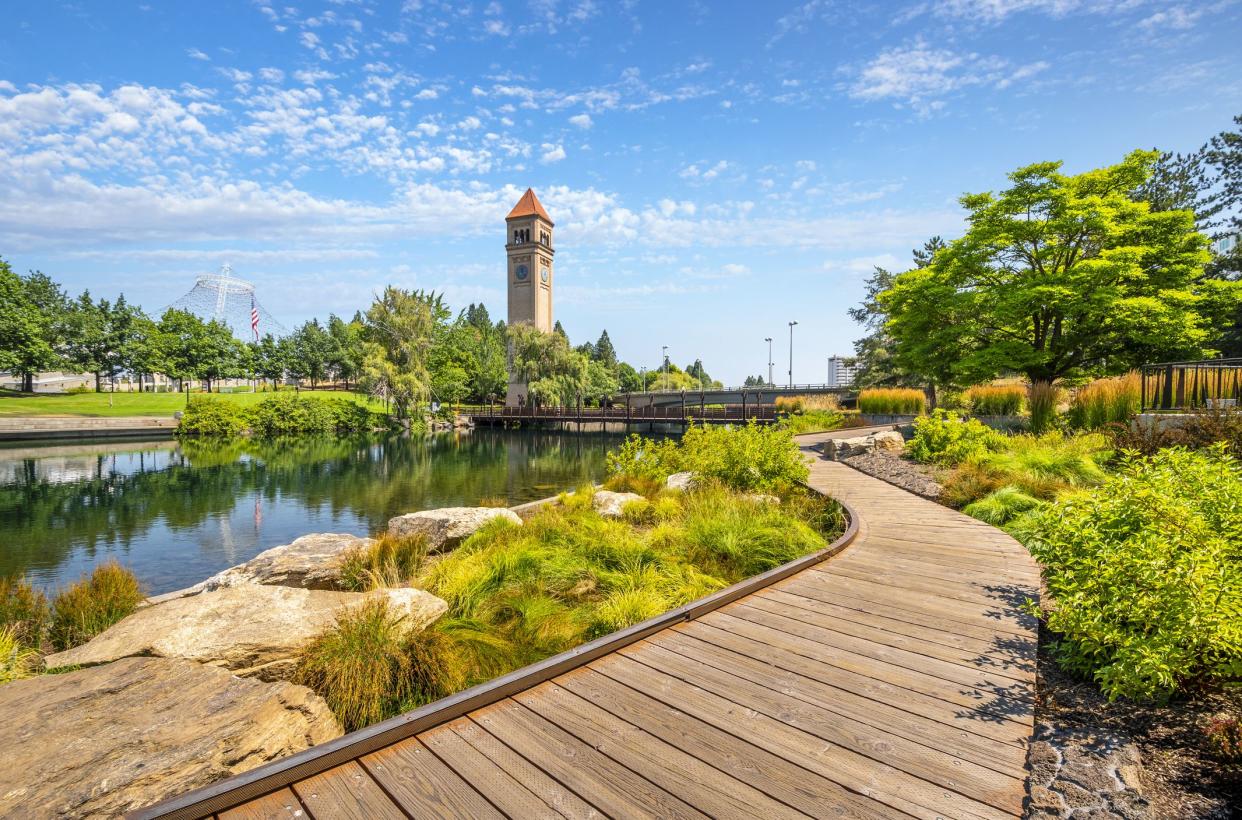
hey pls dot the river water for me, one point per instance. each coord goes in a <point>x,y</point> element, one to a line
<point>177,513</point>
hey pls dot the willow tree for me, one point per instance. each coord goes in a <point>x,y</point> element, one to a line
<point>1060,276</point>
<point>401,329</point>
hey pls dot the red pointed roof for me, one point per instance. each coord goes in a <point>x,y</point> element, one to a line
<point>529,205</point>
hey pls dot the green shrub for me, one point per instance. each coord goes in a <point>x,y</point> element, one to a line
<point>753,457</point>
<point>1046,465</point>
<point>17,659</point>
<point>24,611</point>
<point>892,400</point>
<point>1143,572</point>
<point>212,417</point>
<point>995,400</point>
<point>84,609</point>
<point>1002,506</point>
<point>389,561</point>
<point>749,457</point>
<point>1106,401</point>
<point>946,438</point>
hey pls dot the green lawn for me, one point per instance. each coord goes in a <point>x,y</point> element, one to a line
<point>134,404</point>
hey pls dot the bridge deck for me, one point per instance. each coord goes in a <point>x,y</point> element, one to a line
<point>894,679</point>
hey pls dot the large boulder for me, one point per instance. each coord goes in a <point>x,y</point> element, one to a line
<point>683,482</point>
<point>254,630</point>
<point>610,504</point>
<point>447,527</point>
<point>102,741</point>
<point>839,448</point>
<point>889,440</point>
<point>312,562</point>
<point>842,448</point>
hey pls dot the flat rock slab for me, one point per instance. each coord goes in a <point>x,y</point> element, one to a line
<point>254,629</point>
<point>102,741</point>
<point>610,504</point>
<point>447,527</point>
<point>311,562</point>
<point>842,448</point>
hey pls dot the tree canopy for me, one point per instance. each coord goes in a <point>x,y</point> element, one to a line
<point>1059,275</point>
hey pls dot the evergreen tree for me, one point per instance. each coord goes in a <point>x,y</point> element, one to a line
<point>560,331</point>
<point>604,352</point>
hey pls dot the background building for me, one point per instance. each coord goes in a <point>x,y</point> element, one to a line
<point>841,371</point>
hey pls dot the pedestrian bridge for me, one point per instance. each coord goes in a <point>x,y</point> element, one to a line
<point>764,395</point>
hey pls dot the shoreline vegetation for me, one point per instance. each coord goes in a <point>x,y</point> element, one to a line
<point>587,563</point>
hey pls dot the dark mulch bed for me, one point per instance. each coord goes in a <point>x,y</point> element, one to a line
<point>1179,775</point>
<point>901,472</point>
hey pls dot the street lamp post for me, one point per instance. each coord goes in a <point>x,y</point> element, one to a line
<point>791,327</point>
<point>768,339</point>
<point>644,372</point>
<point>664,363</point>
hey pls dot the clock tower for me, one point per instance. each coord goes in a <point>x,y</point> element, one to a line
<point>528,245</point>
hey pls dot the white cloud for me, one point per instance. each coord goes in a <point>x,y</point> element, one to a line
<point>551,153</point>
<point>581,120</point>
<point>427,94</point>
<point>498,28</point>
<point>197,55</point>
<point>918,74</point>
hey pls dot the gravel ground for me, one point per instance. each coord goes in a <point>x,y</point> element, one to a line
<point>908,475</point>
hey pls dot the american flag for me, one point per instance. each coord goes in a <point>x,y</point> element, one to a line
<point>254,319</point>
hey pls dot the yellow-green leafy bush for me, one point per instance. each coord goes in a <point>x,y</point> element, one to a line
<point>1144,573</point>
<point>947,438</point>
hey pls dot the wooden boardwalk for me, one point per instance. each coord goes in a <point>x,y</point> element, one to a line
<point>894,679</point>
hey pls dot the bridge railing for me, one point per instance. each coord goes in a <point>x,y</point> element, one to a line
<point>633,412</point>
<point>755,388</point>
<point>1188,386</point>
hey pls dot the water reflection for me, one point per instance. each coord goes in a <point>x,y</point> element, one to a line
<point>177,513</point>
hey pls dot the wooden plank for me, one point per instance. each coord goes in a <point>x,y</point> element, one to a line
<point>885,784</point>
<point>987,701</point>
<point>946,633</point>
<point>346,792</point>
<point>904,659</point>
<point>707,789</point>
<point>927,565</point>
<point>971,659</point>
<point>279,805</point>
<point>1005,598</point>
<point>519,768</point>
<point>922,761</point>
<point>420,783</point>
<point>496,785</point>
<point>1006,757</point>
<point>781,779</point>
<point>905,610</point>
<point>963,714</point>
<point>1000,618</point>
<point>615,789</point>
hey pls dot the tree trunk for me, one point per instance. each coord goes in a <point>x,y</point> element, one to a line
<point>28,382</point>
<point>929,390</point>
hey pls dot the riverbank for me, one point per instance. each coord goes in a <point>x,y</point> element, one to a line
<point>160,405</point>
<point>45,428</point>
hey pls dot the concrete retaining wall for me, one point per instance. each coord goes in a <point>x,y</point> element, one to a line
<point>59,427</point>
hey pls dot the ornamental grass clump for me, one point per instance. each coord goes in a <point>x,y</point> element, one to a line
<point>1143,573</point>
<point>1106,401</point>
<point>1043,398</point>
<point>84,609</point>
<point>388,561</point>
<point>995,400</point>
<point>813,421</point>
<point>24,612</point>
<point>17,659</point>
<point>892,401</point>
<point>367,667</point>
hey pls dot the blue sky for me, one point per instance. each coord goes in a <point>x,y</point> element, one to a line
<point>715,169</point>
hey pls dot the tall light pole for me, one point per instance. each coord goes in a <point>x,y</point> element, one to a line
<point>768,339</point>
<point>791,327</point>
<point>664,363</point>
<point>644,371</point>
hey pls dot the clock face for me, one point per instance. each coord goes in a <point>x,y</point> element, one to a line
<point>544,274</point>
<point>521,272</point>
